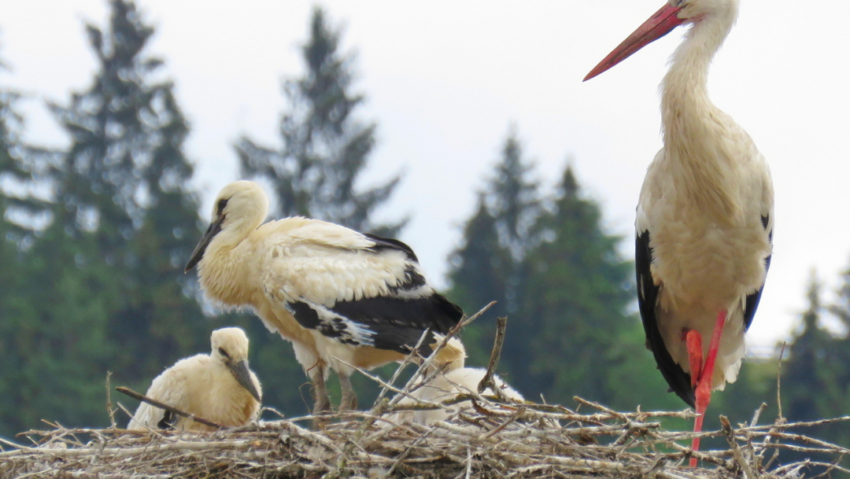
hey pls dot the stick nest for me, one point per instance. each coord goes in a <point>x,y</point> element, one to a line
<point>487,440</point>
<point>484,437</point>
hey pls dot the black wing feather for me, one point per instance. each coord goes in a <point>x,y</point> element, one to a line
<point>169,419</point>
<point>398,323</point>
<point>753,299</point>
<point>678,380</point>
<point>389,322</point>
<point>395,321</point>
<point>389,243</point>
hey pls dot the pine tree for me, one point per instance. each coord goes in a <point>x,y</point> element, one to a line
<point>325,148</point>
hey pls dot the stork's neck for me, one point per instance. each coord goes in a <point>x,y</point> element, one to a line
<point>694,129</point>
<point>224,273</point>
<point>685,105</point>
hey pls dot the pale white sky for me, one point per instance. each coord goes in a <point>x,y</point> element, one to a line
<point>445,79</point>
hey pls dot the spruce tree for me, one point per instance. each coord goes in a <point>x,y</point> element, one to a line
<point>808,367</point>
<point>163,308</point>
<point>325,147</point>
<point>811,377</point>
<point>489,266</point>
<point>111,294</point>
<point>515,199</point>
<point>840,356</point>
<point>127,164</point>
<point>478,276</point>
<point>52,343</point>
<point>578,336</point>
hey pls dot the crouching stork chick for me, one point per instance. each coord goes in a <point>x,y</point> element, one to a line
<point>218,387</point>
<point>450,380</point>
<point>341,297</point>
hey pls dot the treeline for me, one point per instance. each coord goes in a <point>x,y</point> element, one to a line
<point>94,237</point>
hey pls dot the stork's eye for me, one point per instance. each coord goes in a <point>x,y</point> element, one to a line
<point>220,207</point>
<point>223,353</point>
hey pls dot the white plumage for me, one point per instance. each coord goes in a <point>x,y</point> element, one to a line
<point>454,379</point>
<point>218,387</point>
<point>705,216</point>
<point>340,296</point>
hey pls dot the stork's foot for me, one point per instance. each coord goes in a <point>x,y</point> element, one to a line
<point>349,397</point>
<point>322,403</point>
<point>321,407</point>
<point>706,377</point>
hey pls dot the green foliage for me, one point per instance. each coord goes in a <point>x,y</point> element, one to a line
<point>576,302</point>
<point>103,287</point>
<point>489,264</point>
<point>558,276</point>
<point>325,148</point>
<point>814,379</point>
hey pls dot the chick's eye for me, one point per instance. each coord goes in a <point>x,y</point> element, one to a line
<point>220,207</point>
<point>223,353</point>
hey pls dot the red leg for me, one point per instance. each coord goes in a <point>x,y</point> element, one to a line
<point>693,340</point>
<point>703,390</point>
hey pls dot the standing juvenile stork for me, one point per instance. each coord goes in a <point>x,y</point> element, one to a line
<point>341,297</point>
<point>705,215</point>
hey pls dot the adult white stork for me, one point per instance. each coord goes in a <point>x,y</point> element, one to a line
<point>218,387</point>
<point>343,298</point>
<point>705,215</point>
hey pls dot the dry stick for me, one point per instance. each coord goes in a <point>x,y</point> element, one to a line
<point>779,419</point>
<point>505,424</point>
<point>495,354</point>
<point>171,409</point>
<point>109,400</point>
<point>758,414</point>
<point>381,405</point>
<point>602,408</point>
<point>425,366</point>
<point>407,451</point>
<point>736,452</point>
<point>751,450</point>
<point>778,381</point>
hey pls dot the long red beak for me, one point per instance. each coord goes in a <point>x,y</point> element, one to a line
<point>658,25</point>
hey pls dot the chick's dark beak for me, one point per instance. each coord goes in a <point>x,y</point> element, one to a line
<point>198,253</point>
<point>243,377</point>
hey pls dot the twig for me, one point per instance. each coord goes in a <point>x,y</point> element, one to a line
<point>779,380</point>
<point>495,354</point>
<point>758,414</point>
<point>109,409</point>
<point>171,409</point>
<point>729,433</point>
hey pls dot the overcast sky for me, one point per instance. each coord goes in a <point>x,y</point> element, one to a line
<point>446,79</point>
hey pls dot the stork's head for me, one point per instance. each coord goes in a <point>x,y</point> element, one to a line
<point>230,347</point>
<point>668,17</point>
<point>452,356</point>
<point>239,209</point>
